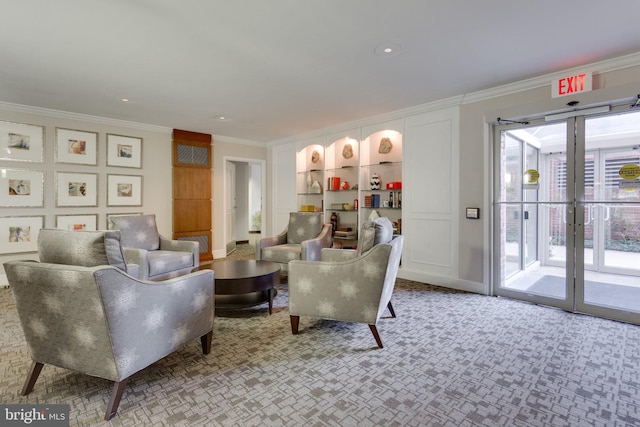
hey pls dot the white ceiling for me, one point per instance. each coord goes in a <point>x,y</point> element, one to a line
<point>278,68</point>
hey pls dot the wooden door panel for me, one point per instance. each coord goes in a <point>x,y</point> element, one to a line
<point>192,189</point>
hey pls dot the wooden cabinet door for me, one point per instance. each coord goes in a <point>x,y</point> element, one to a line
<point>192,190</point>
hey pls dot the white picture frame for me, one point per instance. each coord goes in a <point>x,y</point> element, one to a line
<point>124,190</point>
<point>124,151</point>
<point>20,233</point>
<point>21,142</point>
<point>76,146</point>
<point>21,188</point>
<point>76,189</point>
<point>85,222</point>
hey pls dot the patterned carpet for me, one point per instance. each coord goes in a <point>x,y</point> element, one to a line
<point>450,359</point>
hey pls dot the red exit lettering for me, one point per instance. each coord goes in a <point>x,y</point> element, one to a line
<point>571,84</point>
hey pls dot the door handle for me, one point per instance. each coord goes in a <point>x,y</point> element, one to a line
<point>589,215</point>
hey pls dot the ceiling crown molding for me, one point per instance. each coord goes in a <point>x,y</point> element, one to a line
<point>232,140</point>
<point>82,117</point>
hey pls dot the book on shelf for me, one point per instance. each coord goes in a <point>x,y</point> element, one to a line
<point>346,236</point>
<point>345,233</point>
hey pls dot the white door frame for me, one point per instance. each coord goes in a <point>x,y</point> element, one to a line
<point>263,189</point>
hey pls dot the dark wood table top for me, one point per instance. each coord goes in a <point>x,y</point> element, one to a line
<point>242,269</point>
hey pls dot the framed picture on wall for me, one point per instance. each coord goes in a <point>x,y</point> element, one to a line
<point>21,142</point>
<point>124,190</point>
<point>77,222</point>
<point>76,146</point>
<point>76,189</point>
<point>20,233</point>
<point>20,188</point>
<point>124,151</point>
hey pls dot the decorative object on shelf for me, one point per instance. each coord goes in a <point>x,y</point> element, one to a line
<point>355,204</point>
<point>316,188</point>
<point>347,151</point>
<point>309,182</point>
<point>334,183</point>
<point>385,146</point>
<point>315,156</point>
<point>345,185</point>
<point>394,185</point>
<point>334,222</point>
<point>375,181</point>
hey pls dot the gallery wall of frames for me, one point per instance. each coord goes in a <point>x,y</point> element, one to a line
<point>74,177</point>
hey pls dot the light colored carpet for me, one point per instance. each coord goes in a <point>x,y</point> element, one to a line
<point>450,359</point>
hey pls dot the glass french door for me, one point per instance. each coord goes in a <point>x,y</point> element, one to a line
<point>567,214</point>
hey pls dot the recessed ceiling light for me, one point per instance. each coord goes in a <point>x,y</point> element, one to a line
<point>388,50</point>
<point>221,118</point>
<point>125,99</point>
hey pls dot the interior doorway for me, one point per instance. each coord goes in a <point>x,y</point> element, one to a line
<point>567,213</point>
<point>245,185</point>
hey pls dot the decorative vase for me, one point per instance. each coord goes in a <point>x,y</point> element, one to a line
<point>309,182</point>
<point>375,182</point>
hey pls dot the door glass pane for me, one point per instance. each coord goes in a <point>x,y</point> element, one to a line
<point>512,184</point>
<point>532,207</point>
<point>612,279</point>
<point>531,210</point>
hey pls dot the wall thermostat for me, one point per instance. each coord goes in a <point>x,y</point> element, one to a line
<point>473,213</point>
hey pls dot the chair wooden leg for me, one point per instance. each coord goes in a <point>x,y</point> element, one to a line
<point>206,342</point>
<point>390,307</point>
<point>295,322</point>
<point>376,335</point>
<point>32,377</point>
<point>114,400</point>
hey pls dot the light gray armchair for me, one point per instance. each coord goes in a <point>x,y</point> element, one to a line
<point>349,285</point>
<point>159,258</point>
<point>303,239</point>
<point>80,311</point>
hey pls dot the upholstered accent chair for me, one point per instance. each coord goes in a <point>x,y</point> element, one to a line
<point>159,258</point>
<point>80,310</point>
<point>349,285</point>
<point>302,239</point>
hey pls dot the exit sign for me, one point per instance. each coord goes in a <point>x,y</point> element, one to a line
<point>570,85</point>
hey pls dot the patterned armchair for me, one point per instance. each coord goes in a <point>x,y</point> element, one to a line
<point>303,239</point>
<point>349,285</point>
<point>158,258</point>
<point>80,310</point>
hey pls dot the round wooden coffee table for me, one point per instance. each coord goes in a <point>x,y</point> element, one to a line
<point>245,282</point>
